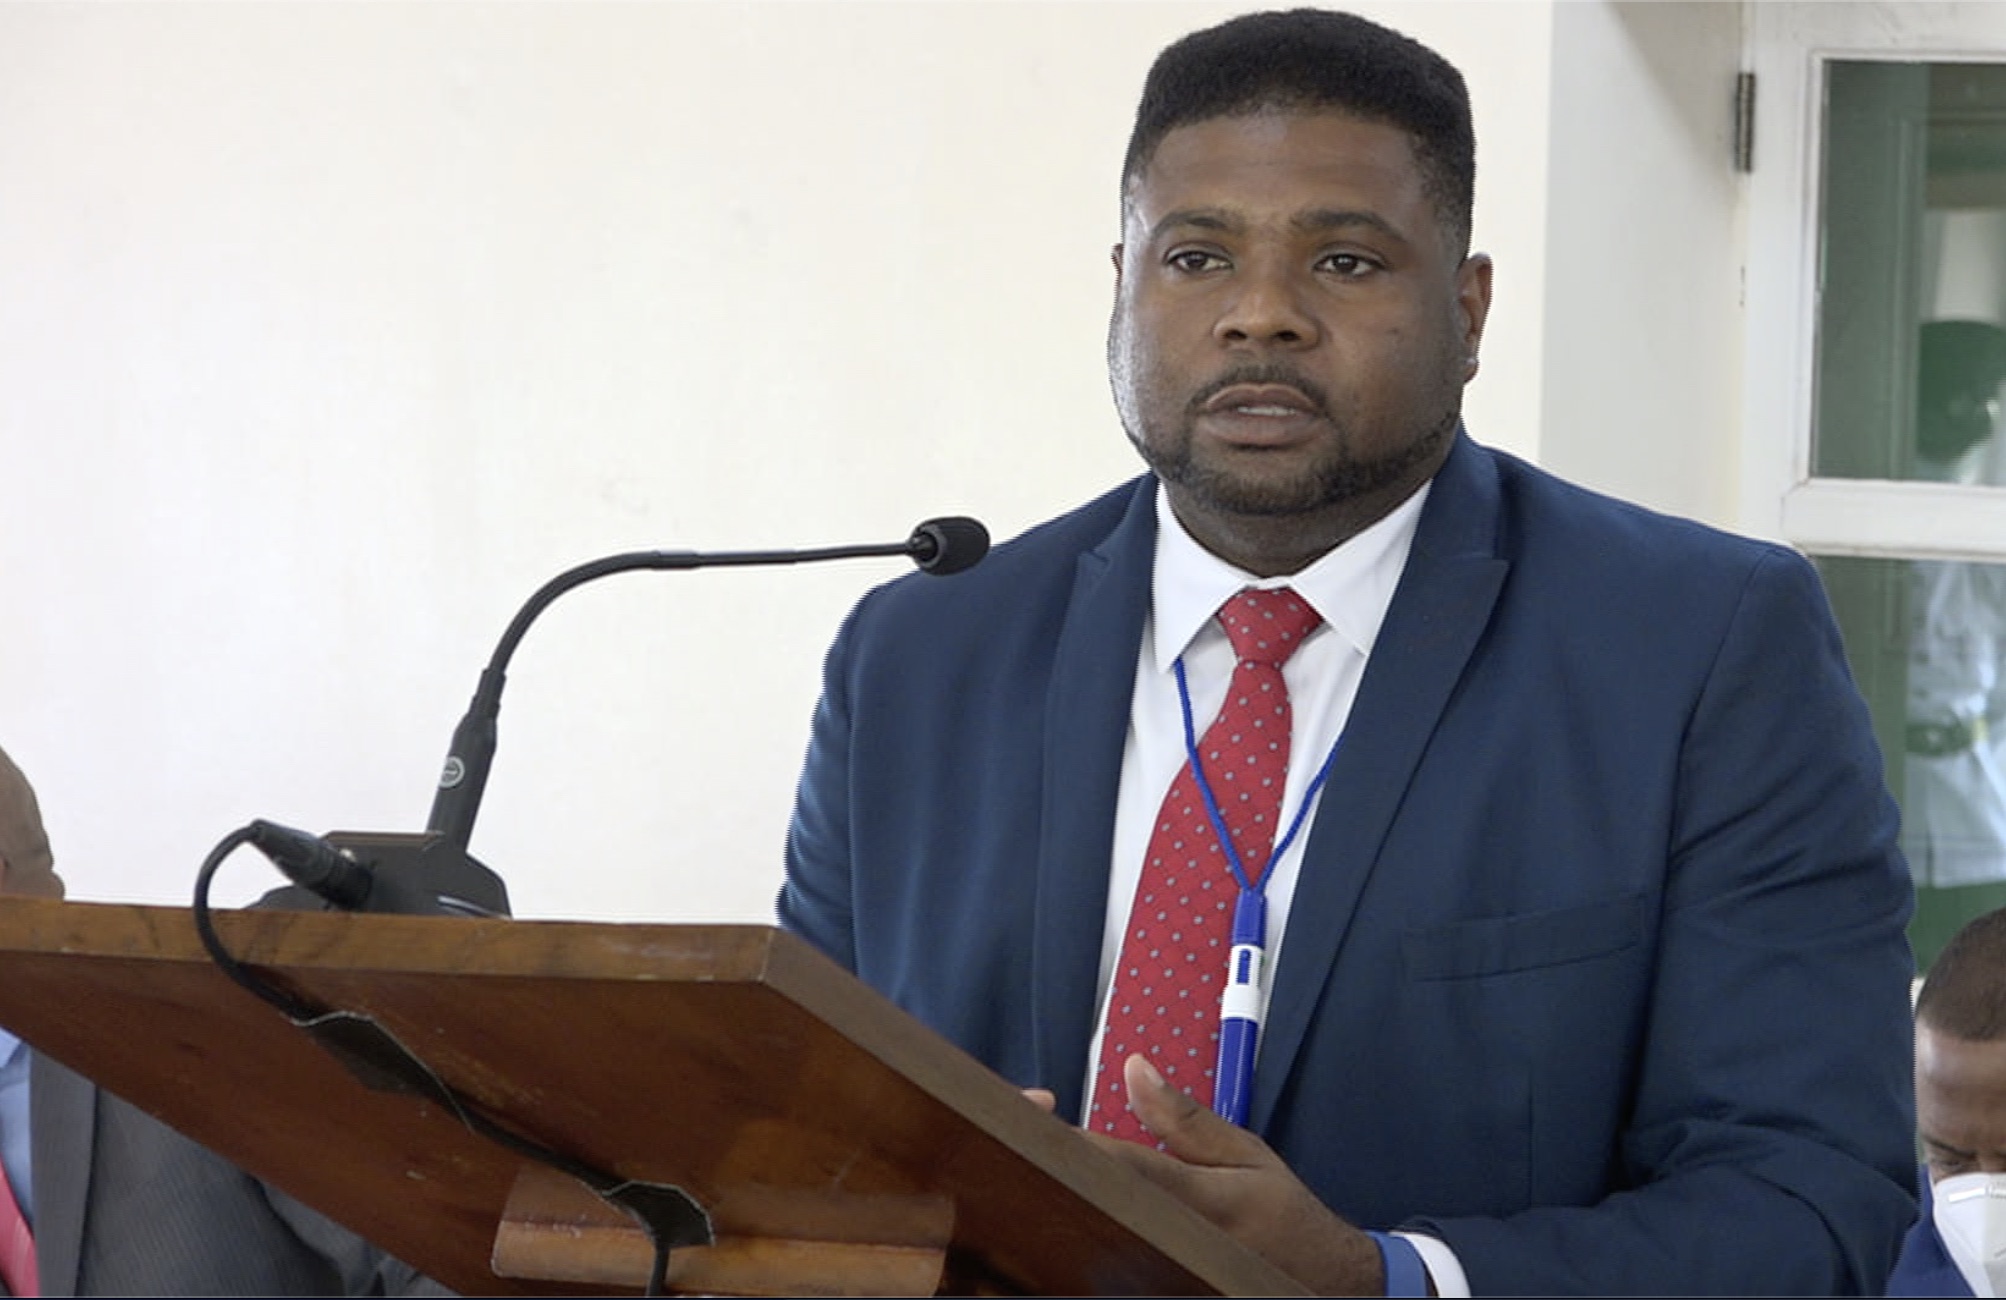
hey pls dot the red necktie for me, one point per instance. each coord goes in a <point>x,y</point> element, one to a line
<point>17,1245</point>
<point>1172,964</point>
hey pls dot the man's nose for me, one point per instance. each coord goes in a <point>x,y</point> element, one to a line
<point>1267,307</point>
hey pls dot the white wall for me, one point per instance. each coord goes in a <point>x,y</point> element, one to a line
<point>329,331</point>
<point>1642,359</point>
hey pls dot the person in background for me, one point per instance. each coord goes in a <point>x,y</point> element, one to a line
<point>1958,1245</point>
<point>120,1204</point>
<point>26,868</point>
<point>1954,764</point>
<point>1541,843</point>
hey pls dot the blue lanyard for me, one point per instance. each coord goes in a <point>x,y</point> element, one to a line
<point>1212,802</point>
<point>1240,1004</point>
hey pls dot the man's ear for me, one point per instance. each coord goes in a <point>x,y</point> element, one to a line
<point>1473,304</point>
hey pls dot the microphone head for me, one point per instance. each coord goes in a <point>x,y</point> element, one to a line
<point>943,546</point>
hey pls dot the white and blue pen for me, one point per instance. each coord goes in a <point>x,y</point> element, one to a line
<point>1240,1008</point>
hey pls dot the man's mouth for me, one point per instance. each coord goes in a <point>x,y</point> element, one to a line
<point>1273,401</point>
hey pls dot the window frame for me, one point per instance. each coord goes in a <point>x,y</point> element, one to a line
<point>1789,46</point>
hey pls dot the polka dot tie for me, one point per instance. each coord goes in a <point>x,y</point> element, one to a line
<point>1172,965</point>
<point>17,1247</point>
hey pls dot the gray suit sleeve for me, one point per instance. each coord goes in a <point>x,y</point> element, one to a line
<point>128,1206</point>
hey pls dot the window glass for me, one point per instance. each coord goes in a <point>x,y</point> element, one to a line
<point>1927,641</point>
<point>1912,273</point>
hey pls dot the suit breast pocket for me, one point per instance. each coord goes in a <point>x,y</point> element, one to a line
<point>1529,941</point>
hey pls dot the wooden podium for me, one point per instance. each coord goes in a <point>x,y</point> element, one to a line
<point>836,1144</point>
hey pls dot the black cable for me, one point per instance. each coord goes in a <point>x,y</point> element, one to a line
<point>292,1008</point>
<point>670,1216</point>
<point>658,1272</point>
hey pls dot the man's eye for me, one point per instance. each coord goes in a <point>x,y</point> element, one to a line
<point>1194,260</point>
<point>1948,1166</point>
<point>1349,265</point>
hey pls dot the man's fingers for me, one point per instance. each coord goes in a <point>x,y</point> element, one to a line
<point>1189,1131</point>
<point>1044,1098</point>
<point>1234,1179</point>
<point>1182,1180</point>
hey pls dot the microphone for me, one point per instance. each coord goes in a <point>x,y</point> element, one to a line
<point>938,546</point>
<point>944,546</point>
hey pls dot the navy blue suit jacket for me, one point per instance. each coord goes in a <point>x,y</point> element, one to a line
<point>1596,965</point>
<point>1925,1266</point>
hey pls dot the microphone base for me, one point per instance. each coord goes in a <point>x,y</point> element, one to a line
<point>421,874</point>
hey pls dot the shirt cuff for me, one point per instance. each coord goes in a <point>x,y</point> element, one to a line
<point>1444,1269</point>
<point>1405,1275</point>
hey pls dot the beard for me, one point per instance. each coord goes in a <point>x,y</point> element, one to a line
<point>1338,475</point>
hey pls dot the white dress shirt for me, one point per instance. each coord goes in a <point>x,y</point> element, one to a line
<point>1351,588</point>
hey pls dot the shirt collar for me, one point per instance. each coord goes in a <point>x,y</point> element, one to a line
<point>1350,587</point>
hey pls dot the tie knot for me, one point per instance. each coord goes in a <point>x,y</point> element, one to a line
<point>1266,626</point>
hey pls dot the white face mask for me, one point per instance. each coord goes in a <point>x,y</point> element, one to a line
<point>1970,1213</point>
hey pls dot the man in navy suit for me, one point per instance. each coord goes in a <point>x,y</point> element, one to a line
<point>1587,967</point>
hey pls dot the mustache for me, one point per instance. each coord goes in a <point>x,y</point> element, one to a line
<point>1262,373</point>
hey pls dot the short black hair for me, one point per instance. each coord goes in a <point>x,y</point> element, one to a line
<point>1311,60</point>
<point>1964,994</point>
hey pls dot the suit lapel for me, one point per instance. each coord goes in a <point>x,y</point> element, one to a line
<point>63,1125</point>
<point>1439,611</point>
<point>1086,727</point>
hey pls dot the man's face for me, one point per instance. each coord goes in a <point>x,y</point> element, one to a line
<point>1960,1103</point>
<point>1292,330</point>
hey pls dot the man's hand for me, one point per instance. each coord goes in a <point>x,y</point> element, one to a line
<point>1237,1181</point>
